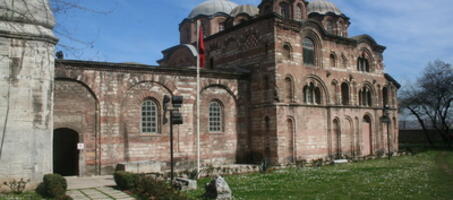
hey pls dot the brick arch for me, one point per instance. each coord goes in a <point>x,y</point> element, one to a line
<point>231,92</point>
<point>135,101</point>
<point>83,117</point>
<point>83,83</point>
<point>299,4</point>
<point>364,50</point>
<point>169,85</point>
<point>314,34</point>
<point>374,93</point>
<point>318,82</point>
<point>227,149</point>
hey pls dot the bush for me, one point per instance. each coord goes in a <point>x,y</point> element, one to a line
<point>53,186</point>
<point>151,188</point>
<point>125,180</point>
<point>17,186</point>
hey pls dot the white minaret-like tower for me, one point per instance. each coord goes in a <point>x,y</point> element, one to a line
<point>27,46</point>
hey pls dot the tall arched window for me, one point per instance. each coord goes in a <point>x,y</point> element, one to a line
<point>345,94</point>
<point>287,51</point>
<point>289,89</point>
<point>215,117</point>
<point>312,94</point>
<point>333,60</point>
<point>365,97</point>
<point>309,51</point>
<point>363,64</point>
<point>150,117</point>
<point>285,10</point>
<point>385,96</point>
<point>344,62</point>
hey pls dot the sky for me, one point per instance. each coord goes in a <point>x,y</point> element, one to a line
<point>415,32</point>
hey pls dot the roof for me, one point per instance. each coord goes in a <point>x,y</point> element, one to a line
<point>212,7</point>
<point>135,67</point>
<point>250,10</point>
<point>323,7</point>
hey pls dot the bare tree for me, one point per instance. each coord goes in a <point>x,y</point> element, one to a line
<point>62,8</point>
<point>430,100</point>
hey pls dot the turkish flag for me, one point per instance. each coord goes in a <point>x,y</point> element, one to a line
<point>201,49</point>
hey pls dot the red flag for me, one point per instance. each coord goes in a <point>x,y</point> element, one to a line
<point>201,49</point>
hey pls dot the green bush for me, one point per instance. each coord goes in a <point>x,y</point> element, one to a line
<point>53,186</point>
<point>151,188</point>
<point>125,180</point>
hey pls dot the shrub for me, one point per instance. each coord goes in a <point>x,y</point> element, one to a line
<point>53,186</point>
<point>17,186</point>
<point>125,180</point>
<point>151,188</point>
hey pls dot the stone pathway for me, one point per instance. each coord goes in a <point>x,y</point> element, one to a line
<point>94,188</point>
<point>101,193</point>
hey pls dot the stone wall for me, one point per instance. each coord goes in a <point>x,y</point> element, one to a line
<point>102,102</point>
<point>26,90</point>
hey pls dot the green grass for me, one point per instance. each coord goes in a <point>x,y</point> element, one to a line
<point>424,176</point>
<point>23,196</point>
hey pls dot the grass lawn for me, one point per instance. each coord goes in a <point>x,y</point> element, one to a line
<point>427,175</point>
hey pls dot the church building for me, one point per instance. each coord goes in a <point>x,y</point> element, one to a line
<point>284,81</point>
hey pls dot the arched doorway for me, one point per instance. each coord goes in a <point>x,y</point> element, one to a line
<point>65,153</point>
<point>367,134</point>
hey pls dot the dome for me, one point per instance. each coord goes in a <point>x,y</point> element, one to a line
<point>211,7</point>
<point>30,12</point>
<point>322,7</point>
<point>245,9</point>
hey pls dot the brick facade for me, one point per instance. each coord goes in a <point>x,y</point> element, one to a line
<point>274,104</point>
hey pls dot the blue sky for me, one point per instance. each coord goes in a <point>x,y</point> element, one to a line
<point>415,32</point>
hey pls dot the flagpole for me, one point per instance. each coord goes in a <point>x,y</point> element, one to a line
<point>198,99</point>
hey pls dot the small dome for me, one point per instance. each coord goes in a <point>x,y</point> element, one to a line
<point>212,7</point>
<point>245,9</point>
<point>322,7</point>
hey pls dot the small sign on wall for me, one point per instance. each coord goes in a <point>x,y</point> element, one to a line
<point>80,146</point>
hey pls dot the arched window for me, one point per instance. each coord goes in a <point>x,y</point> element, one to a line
<point>385,97</point>
<point>365,97</point>
<point>309,51</point>
<point>285,10</point>
<point>150,117</point>
<point>344,62</point>
<point>289,89</point>
<point>333,60</point>
<point>345,94</point>
<point>298,12</point>
<point>215,117</point>
<point>312,94</point>
<point>330,26</point>
<point>221,26</point>
<point>287,51</point>
<point>363,64</point>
